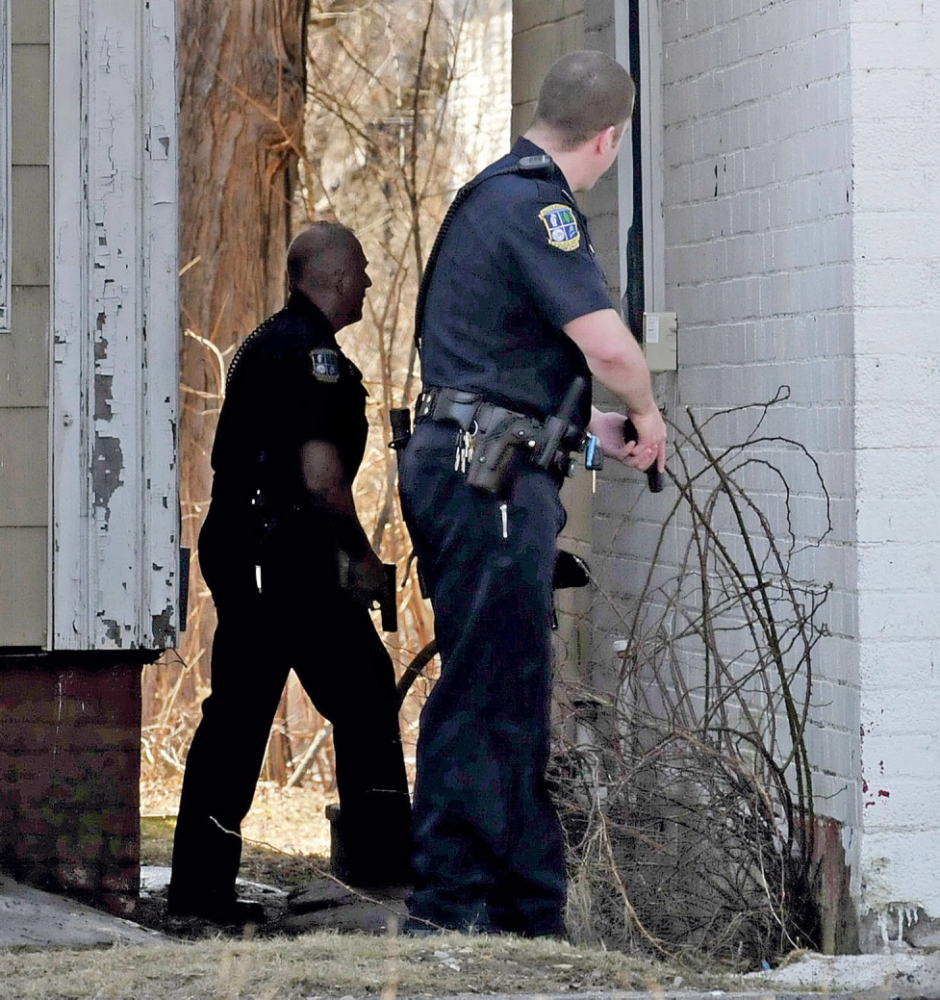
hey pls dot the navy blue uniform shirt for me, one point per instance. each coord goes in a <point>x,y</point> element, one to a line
<point>289,383</point>
<point>515,266</point>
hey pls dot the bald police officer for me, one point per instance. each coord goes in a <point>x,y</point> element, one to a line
<point>514,318</point>
<point>290,439</point>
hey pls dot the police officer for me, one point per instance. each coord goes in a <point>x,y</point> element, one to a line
<point>290,440</point>
<point>513,317</point>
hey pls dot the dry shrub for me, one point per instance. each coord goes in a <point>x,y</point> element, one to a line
<point>686,793</point>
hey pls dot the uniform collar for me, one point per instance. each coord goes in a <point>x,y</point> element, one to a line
<point>299,305</point>
<point>526,147</point>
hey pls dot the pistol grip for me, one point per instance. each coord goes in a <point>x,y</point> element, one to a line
<point>654,478</point>
<point>390,604</point>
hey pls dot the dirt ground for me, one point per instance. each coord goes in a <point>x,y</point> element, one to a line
<point>291,820</point>
<point>286,845</point>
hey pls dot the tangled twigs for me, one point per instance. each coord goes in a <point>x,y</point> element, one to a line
<point>696,772</point>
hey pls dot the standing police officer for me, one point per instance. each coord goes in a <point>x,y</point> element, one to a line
<point>513,319</point>
<point>291,437</point>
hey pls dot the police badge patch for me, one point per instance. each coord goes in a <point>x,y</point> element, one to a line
<point>562,226</point>
<point>325,364</point>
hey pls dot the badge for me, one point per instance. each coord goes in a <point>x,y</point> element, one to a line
<point>562,226</point>
<point>325,364</point>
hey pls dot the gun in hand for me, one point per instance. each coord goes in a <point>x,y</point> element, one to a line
<point>384,594</point>
<point>388,603</point>
<point>654,478</point>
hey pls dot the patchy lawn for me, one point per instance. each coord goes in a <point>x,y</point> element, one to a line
<point>326,965</point>
<point>206,962</point>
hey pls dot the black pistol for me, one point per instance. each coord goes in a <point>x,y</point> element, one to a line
<point>654,478</point>
<point>388,603</point>
<point>386,599</point>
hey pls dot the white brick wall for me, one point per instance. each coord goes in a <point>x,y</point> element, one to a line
<point>802,223</point>
<point>896,151</point>
<point>758,221</point>
<point>803,247</point>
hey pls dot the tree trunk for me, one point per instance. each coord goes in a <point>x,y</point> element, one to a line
<point>242,95</point>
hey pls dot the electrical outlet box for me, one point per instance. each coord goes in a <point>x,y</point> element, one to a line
<point>660,341</point>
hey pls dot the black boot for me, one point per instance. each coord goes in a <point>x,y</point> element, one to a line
<point>217,908</point>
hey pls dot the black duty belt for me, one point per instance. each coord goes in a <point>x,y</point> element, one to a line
<point>473,413</point>
<point>493,434</point>
<point>451,406</point>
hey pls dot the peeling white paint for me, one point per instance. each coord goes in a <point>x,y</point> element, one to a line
<point>896,298</point>
<point>896,918</point>
<point>115,368</point>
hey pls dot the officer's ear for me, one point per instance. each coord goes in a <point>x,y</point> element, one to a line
<point>609,139</point>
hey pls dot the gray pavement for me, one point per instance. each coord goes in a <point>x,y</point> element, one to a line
<point>30,918</point>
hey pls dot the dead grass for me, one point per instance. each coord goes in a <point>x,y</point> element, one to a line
<point>327,965</point>
<point>318,965</point>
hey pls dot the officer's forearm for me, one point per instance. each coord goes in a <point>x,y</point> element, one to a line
<point>615,358</point>
<point>339,511</point>
<point>629,383</point>
<point>330,494</point>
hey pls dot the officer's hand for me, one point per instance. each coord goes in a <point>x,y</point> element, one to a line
<point>367,579</point>
<point>650,446</point>
<point>640,454</point>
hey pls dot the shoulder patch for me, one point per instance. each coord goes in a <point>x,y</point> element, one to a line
<point>562,226</point>
<point>326,366</point>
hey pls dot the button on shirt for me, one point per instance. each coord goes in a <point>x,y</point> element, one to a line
<point>514,267</point>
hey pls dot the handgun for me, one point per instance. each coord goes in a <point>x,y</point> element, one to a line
<point>654,478</point>
<point>388,602</point>
<point>386,599</point>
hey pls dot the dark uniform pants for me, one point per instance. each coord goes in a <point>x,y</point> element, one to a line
<point>301,620</point>
<point>489,852</point>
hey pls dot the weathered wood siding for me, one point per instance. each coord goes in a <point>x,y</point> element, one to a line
<point>24,321</point>
<point>115,530</point>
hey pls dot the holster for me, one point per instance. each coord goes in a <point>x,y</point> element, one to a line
<point>498,446</point>
<point>500,436</point>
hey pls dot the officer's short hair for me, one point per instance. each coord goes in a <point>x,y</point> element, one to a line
<point>584,93</point>
<point>319,237</point>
